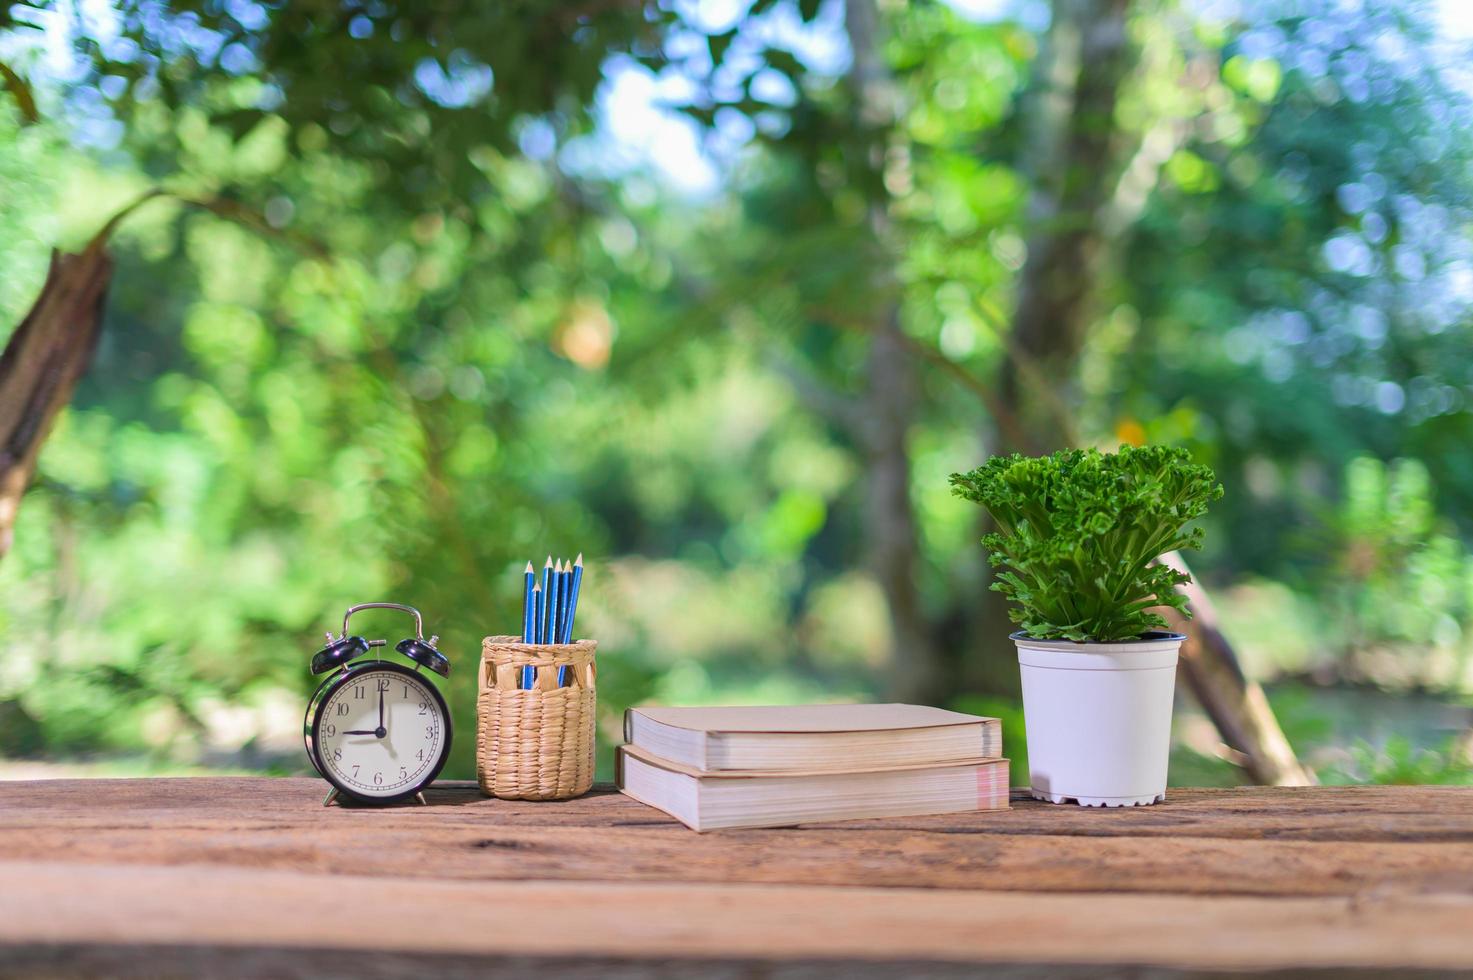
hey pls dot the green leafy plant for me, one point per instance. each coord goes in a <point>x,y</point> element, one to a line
<point>1078,533</point>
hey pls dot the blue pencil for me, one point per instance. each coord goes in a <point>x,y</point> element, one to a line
<point>554,609</point>
<point>567,598</point>
<point>528,673</point>
<point>562,575</point>
<point>541,631</point>
<point>572,579</point>
<point>528,606</point>
<point>554,599</point>
<point>538,602</point>
<point>572,601</point>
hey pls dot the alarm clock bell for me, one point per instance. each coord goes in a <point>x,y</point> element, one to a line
<point>378,732</point>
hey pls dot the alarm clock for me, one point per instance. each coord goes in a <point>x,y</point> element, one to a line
<point>379,732</point>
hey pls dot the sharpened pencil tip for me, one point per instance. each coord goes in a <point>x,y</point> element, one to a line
<point>579,562</point>
<point>549,562</point>
<point>537,587</point>
<point>529,569</point>
<point>558,567</point>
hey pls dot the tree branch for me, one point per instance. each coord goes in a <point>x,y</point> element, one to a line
<point>22,93</point>
<point>53,346</point>
<point>223,207</point>
<point>41,365</point>
<point>1236,705</point>
<point>842,410</point>
<point>1007,422</point>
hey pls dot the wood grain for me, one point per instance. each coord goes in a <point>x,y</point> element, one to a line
<point>124,903</point>
<point>1324,841</point>
<point>59,961</point>
<point>1363,877</point>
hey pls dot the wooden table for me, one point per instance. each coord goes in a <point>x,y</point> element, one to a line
<point>237,877</point>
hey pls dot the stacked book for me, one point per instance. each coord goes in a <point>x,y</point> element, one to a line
<point>713,768</point>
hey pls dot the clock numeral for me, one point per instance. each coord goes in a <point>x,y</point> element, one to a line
<point>355,771</point>
<point>403,773</point>
<point>337,755</point>
<point>383,685</point>
<point>424,707</point>
<point>329,730</point>
<point>420,755</point>
<point>406,692</point>
<point>359,693</point>
<point>378,779</point>
<point>342,708</point>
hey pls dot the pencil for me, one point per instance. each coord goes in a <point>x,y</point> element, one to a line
<point>528,673</point>
<point>554,602</point>
<point>541,631</point>
<point>528,606</point>
<point>537,604</point>
<point>577,581</point>
<point>562,575</point>
<point>564,593</point>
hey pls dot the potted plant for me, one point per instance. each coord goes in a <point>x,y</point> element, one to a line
<point>1078,534</point>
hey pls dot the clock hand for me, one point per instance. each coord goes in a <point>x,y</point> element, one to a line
<point>380,731</point>
<point>362,731</point>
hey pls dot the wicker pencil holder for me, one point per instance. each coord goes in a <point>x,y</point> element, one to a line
<point>535,744</point>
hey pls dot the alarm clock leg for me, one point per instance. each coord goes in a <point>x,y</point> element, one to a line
<point>422,800</point>
<point>332,797</point>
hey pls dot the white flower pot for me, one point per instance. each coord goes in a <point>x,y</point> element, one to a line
<point>1098,718</point>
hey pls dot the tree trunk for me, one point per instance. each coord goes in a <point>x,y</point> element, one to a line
<point>1069,157</point>
<point>41,364</point>
<point>890,397</point>
<point>1071,154</point>
<point>1236,705</point>
<point>890,525</point>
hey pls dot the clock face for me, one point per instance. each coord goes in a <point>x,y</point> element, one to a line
<point>382,732</point>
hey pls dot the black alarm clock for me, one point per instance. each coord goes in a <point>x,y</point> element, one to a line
<point>379,732</point>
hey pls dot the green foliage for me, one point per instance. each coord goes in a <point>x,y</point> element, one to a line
<point>1401,763</point>
<point>426,96</point>
<point>1312,308</point>
<point>1078,532</point>
<point>1392,575</point>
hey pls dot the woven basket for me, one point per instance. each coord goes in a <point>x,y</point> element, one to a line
<point>535,744</point>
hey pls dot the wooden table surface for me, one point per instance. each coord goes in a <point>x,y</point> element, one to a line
<point>245,877</point>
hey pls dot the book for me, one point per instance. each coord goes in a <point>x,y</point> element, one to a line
<point>811,737</point>
<point>733,798</point>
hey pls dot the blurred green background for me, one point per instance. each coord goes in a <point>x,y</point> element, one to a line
<point>718,294</point>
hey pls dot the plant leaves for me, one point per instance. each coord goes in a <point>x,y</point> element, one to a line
<point>1079,532</point>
